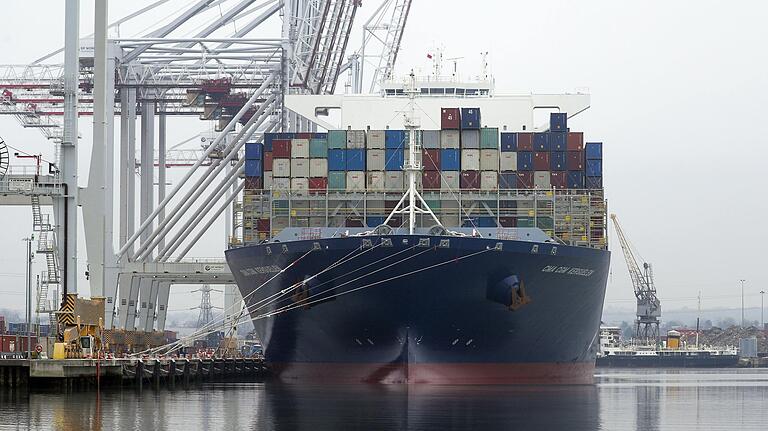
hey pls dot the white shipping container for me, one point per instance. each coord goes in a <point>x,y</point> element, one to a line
<point>376,139</point>
<point>300,148</point>
<point>318,168</point>
<point>375,181</point>
<point>394,181</point>
<point>281,168</point>
<point>489,160</point>
<point>430,139</point>
<point>450,181</point>
<point>449,139</point>
<point>375,160</point>
<point>355,139</point>
<point>489,180</point>
<point>267,180</point>
<point>281,183</point>
<point>355,181</point>
<point>470,160</point>
<point>299,184</point>
<point>299,168</point>
<point>541,180</point>
<point>508,161</point>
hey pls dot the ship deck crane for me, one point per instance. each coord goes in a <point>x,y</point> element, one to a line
<point>648,306</point>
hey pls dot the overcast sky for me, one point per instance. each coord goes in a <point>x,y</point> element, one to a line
<point>679,95</point>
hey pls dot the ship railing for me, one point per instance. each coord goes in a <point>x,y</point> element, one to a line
<point>570,216</point>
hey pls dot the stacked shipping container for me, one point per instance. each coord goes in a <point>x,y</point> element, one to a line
<point>460,157</point>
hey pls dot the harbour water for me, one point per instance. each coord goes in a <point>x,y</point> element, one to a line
<point>620,400</point>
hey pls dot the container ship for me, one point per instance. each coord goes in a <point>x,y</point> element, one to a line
<point>438,235</point>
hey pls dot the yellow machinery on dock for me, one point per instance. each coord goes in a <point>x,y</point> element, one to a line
<point>81,324</point>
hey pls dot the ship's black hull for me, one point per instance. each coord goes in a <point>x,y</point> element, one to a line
<point>433,312</point>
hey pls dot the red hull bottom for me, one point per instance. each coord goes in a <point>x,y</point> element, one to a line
<point>440,374</point>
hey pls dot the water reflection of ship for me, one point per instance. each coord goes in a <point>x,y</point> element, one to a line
<point>302,407</point>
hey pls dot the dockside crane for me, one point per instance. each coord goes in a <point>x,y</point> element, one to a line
<point>648,306</point>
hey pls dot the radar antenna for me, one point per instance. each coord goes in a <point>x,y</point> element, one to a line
<point>648,305</point>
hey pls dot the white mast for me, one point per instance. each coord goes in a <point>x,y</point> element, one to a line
<point>412,166</point>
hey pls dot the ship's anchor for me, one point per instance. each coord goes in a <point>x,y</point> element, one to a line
<point>518,297</point>
<point>300,295</point>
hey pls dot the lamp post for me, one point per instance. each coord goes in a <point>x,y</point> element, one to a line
<point>742,302</point>
<point>28,268</point>
<point>762,318</point>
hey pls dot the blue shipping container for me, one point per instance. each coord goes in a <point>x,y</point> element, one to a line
<point>268,137</point>
<point>320,136</point>
<point>594,182</point>
<point>373,221</point>
<point>575,180</point>
<point>355,160</point>
<point>253,151</point>
<point>524,161</point>
<point>508,142</point>
<point>558,141</point>
<point>594,168</point>
<point>558,122</point>
<point>540,142</point>
<point>337,180</point>
<point>337,160</point>
<point>253,168</point>
<point>394,159</point>
<point>470,118</point>
<point>594,150</point>
<point>450,160</point>
<point>508,180</point>
<point>286,135</point>
<point>557,160</point>
<point>394,139</point>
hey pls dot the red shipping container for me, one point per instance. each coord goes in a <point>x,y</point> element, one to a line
<point>305,135</point>
<point>395,221</point>
<point>575,141</point>
<point>507,221</point>
<point>430,180</point>
<point>558,179</point>
<point>262,225</point>
<point>431,160</point>
<point>268,161</point>
<point>389,206</point>
<point>470,180</point>
<point>525,180</point>
<point>525,141</point>
<point>450,118</point>
<point>281,148</point>
<point>253,183</point>
<point>541,161</point>
<point>318,184</point>
<point>353,222</point>
<point>575,161</point>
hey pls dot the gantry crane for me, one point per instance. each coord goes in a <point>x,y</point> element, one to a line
<point>648,305</point>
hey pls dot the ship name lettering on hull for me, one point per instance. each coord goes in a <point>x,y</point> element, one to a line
<point>554,269</point>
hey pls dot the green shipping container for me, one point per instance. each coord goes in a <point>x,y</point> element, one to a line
<point>318,149</point>
<point>434,205</point>
<point>337,180</point>
<point>489,138</point>
<point>337,139</point>
<point>545,223</point>
<point>525,222</point>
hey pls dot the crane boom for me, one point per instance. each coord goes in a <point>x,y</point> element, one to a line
<point>648,304</point>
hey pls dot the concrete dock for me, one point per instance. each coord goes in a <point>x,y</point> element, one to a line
<point>68,374</point>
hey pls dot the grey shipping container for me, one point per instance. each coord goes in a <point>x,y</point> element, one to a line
<point>450,139</point>
<point>470,139</point>
<point>376,139</point>
<point>355,139</point>
<point>375,160</point>
<point>449,180</point>
<point>430,139</point>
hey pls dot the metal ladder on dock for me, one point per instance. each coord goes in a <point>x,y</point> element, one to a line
<point>46,245</point>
